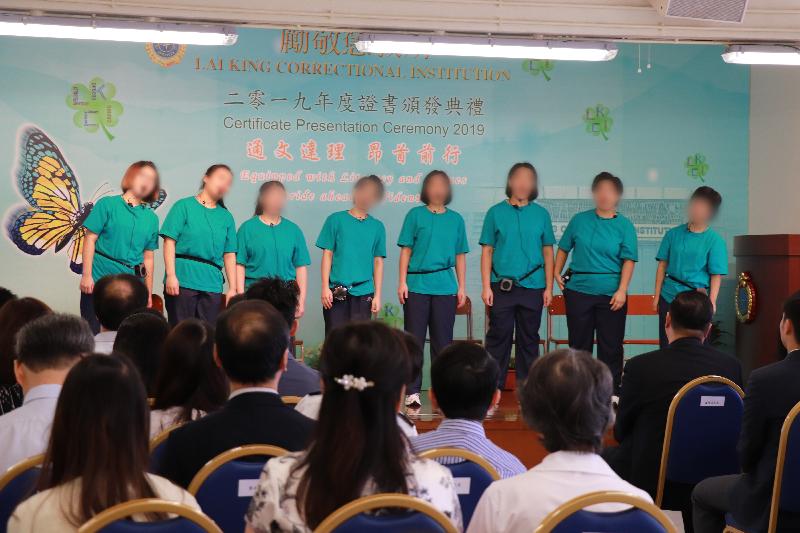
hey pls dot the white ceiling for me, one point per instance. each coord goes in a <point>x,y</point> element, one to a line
<point>765,20</point>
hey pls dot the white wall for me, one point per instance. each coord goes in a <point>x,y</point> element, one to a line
<point>774,194</point>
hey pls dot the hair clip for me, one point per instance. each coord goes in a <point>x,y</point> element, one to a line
<point>348,381</point>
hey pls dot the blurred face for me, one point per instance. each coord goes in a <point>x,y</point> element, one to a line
<point>273,200</point>
<point>366,196</point>
<point>522,183</point>
<point>438,189</point>
<point>699,211</point>
<point>605,195</point>
<point>143,183</point>
<point>218,183</point>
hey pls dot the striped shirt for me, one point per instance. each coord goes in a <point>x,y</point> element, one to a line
<point>468,435</point>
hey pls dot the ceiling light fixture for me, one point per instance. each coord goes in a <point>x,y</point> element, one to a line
<point>761,54</point>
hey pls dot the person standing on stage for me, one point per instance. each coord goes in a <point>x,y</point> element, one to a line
<point>516,270</point>
<point>271,246</point>
<point>433,240</point>
<point>604,249</point>
<point>121,235</point>
<point>199,243</point>
<point>353,244</point>
<point>691,257</point>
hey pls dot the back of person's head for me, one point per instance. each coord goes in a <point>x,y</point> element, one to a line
<point>567,400</point>
<point>140,337</point>
<point>6,296</point>
<point>116,298</point>
<point>690,313</point>
<point>790,323</point>
<point>252,339</point>
<point>14,314</point>
<point>464,380</point>
<point>53,342</point>
<point>100,435</point>
<point>187,376</point>
<point>282,295</point>
<point>364,369</point>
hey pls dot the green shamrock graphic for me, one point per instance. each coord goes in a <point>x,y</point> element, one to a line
<point>95,106</point>
<point>598,121</point>
<point>390,315</point>
<point>696,167</point>
<point>538,66</point>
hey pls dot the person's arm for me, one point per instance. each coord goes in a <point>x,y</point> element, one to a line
<point>301,275</point>
<point>713,289</point>
<point>402,270</point>
<point>172,284</point>
<point>549,269</point>
<point>461,277</point>
<point>487,253</point>
<point>149,263</point>
<point>561,260</point>
<point>630,404</point>
<point>239,278</point>
<point>621,296</point>
<point>377,276</point>
<point>325,271</point>
<point>661,273</point>
<point>229,260</point>
<point>87,282</point>
<point>754,427</point>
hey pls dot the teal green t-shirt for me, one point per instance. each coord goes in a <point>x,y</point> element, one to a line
<point>355,245</point>
<point>123,232</point>
<point>199,231</point>
<point>599,246</point>
<point>517,235</point>
<point>435,240</point>
<point>270,250</point>
<point>692,258</point>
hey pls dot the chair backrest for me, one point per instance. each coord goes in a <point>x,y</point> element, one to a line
<point>572,516</point>
<point>701,433</point>
<point>466,310</point>
<point>472,475</point>
<point>291,400</point>
<point>16,484</point>
<point>786,487</point>
<point>157,447</point>
<point>354,517</point>
<point>225,485</point>
<point>114,519</point>
<point>157,303</point>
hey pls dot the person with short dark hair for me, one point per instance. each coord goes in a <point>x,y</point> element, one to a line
<point>691,256</point>
<point>140,338</point>
<point>46,350</point>
<point>516,271</point>
<point>650,383</point>
<point>252,344</point>
<point>604,252</point>
<point>772,392</point>
<point>99,452</point>
<point>433,243</point>
<point>464,387</point>
<point>6,295</point>
<point>353,245</point>
<point>116,297</point>
<point>566,400</point>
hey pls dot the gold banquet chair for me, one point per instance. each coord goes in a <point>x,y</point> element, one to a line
<point>157,447</point>
<point>354,516</point>
<point>186,517</point>
<point>16,484</point>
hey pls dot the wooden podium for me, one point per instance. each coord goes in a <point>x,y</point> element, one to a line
<point>773,262</point>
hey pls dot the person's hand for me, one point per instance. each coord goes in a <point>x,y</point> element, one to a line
<point>618,300</point>
<point>487,295</point>
<point>402,292</point>
<point>713,307</point>
<point>547,297</point>
<point>87,284</point>
<point>150,300</point>
<point>301,309</point>
<point>376,305</point>
<point>327,298</point>
<point>229,295</point>
<point>655,303</point>
<point>461,297</point>
<point>559,281</point>
<point>171,286</point>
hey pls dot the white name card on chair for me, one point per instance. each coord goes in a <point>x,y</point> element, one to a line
<point>247,487</point>
<point>462,485</point>
<point>712,401</point>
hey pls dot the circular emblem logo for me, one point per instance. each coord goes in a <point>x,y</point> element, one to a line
<point>165,54</point>
<point>745,298</point>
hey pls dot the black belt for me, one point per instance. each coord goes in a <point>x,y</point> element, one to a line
<point>684,283</point>
<point>138,270</point>
<point>429,271</point>
<point>569,273</point>
<point>355,284</point>
<point>126,265</point>
<point>198,260</point>
<point>529,274</point>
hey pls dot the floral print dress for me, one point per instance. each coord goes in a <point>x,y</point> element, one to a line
<point>274,506</point>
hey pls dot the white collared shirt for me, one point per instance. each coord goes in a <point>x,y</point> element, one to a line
<point>245,390</point>
<point>104,342</point>
<point>519,504</point>
<point>24,432</point>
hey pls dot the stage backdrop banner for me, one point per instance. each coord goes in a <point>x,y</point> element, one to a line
<point>306,108</point>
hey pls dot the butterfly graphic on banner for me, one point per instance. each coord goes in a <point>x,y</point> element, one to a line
<point>54,216</point>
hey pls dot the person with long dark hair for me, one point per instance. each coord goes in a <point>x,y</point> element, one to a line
<point>199,243</point>
<point>364,372</point>
<point>433,242</point>
<point>604,252</point>
<point>692,256</point>
<point>98,452</point>
<point>353,244</point>
<point>121,235</point>
<point>188,384</point>
<point>516,270</point>
<point>272,246</point>
<point>140,338</point>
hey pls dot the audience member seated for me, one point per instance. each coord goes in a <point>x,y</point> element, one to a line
<point>116,297</point>
<point>6,296</point>
<point>357,448</point>
<point>464,385</point>
<point>772,391</point>
<point>649,384</point>
<point>98,452</point>
<point>14,314</point>
<point>188,383</point>
<point>252,346</point>
<point>140,338</point>
<point>566,400</point>
<point>46,349</point>
<point>299,379</point>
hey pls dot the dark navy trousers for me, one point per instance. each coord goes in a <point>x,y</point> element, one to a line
<point>87,312</point>
<point>190,303</point>
<point>423,313</point>
<point>343,311</point>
